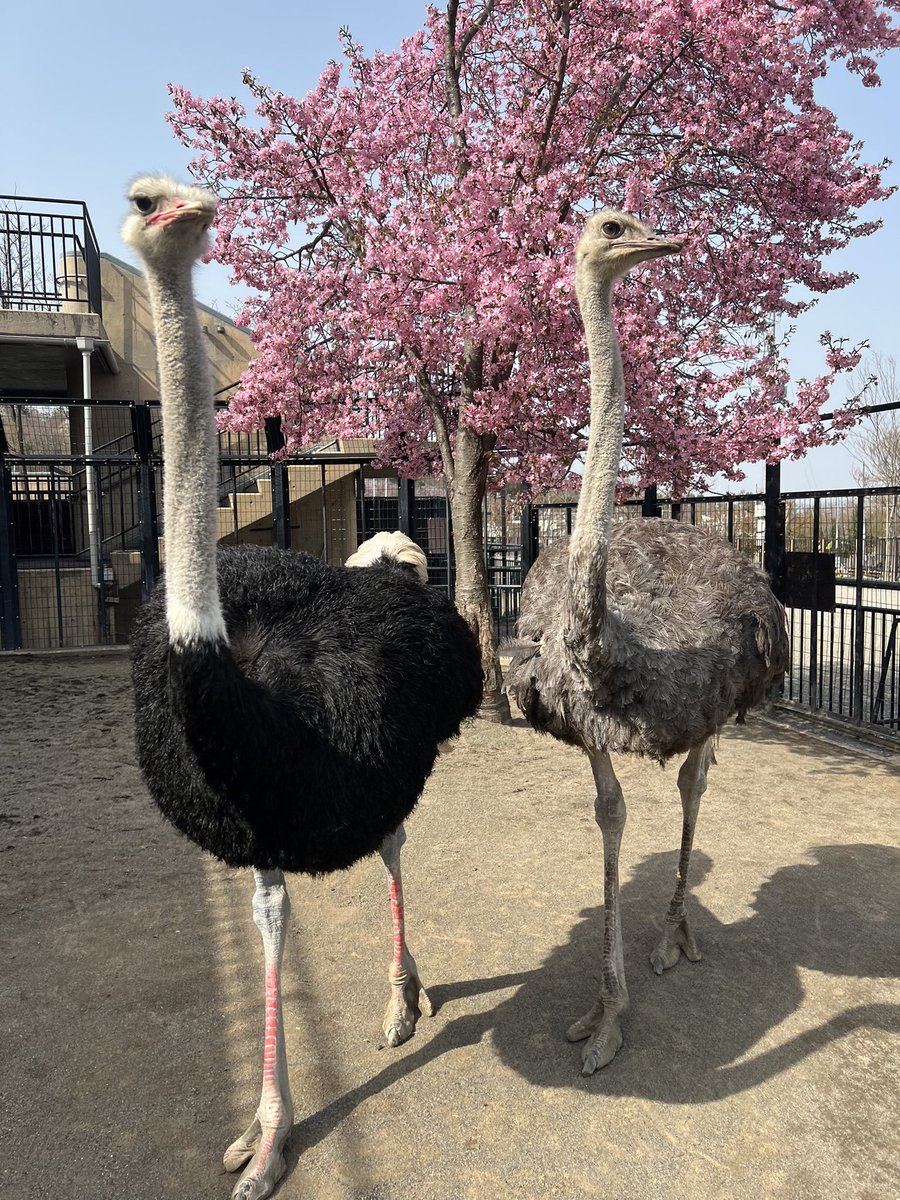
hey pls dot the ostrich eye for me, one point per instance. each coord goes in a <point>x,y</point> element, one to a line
<point>612,229</point>
<point>143,204</point>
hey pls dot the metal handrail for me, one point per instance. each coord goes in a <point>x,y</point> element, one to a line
<point>35,244</point>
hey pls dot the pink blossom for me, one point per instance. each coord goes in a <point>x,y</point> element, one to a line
<point>387,238</point>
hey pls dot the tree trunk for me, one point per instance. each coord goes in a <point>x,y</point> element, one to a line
<point>467,491</point>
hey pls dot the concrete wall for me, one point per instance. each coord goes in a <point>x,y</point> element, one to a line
<point>129,327</point>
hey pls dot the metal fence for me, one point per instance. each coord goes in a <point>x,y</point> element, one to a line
<point>49,256</point>
<point>838,574</point>
<point>83,539</point>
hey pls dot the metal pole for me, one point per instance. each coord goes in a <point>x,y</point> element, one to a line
<point>859,632</point>
<point>86,346</point>
<point>148,524</point>
<point>10,625</point>
<point>814,698</point>
<point>649,505</point>
<point>529,538</point>
<point>361,534</point>
<point>324,515</point>
<point>773,543</point>
<point>448,541</point>
<point>281,498</point>
<point>406,507</point>
<point>54,533</point>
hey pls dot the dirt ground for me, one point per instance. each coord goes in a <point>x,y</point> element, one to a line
<point>131,988</point>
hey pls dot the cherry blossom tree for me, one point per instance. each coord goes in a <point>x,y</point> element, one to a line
<point>409,224</point>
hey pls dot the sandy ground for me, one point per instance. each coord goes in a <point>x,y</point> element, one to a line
<point>131,991</point>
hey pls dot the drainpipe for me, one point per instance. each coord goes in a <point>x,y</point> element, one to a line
<point>86,346</point>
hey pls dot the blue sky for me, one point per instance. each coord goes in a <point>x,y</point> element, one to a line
<point>85,96</point>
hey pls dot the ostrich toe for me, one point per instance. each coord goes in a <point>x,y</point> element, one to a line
<point>586,1025</point>
<point>602,1047</point>
<point>675,940</point>
<point>408,1001</point>
<point>264,1148</point>
<point>243,1148</point>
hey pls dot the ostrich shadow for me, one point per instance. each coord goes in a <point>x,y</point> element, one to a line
<point>690,1034</point>
<point>686,1029</point>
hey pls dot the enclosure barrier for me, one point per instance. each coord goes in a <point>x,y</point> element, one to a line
<point>834,556</point>
<point>835,564</point>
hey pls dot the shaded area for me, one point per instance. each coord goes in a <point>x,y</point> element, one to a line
<point>131,1006</point>
<point>113,1053</point>
<point>687,1029</point>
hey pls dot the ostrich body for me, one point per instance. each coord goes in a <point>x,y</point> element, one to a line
<point>287,713</point>
<point>642,637</point>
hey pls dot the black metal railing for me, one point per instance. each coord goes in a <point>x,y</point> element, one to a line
<point>838,554</point>
<point>49,256</point>
<point>845,625</point>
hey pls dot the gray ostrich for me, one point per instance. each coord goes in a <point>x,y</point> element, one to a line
<point>287,713</point>
<point>640,637</point>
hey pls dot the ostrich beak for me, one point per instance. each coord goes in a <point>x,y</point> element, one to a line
<point>653,247</point>
<point>181,210</point>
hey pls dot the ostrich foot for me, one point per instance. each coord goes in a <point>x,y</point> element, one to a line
<point>602,1047</point>
<point>604,1032</point>
<point>675,939</point>
<point>586,1025</point>
<point>408,1002</point>
<point>264,1149</point>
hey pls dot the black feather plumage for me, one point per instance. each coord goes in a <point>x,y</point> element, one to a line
<point>307,738</point>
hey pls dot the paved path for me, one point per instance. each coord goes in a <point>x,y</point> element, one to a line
<point>130,997</point>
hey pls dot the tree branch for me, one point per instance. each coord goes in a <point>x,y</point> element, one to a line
<point>433,400</point>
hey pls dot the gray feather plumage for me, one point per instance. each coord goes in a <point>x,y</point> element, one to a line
<point>692,636</point>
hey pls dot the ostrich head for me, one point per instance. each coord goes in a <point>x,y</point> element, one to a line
<point>614,242</point>
<point>169,222</point>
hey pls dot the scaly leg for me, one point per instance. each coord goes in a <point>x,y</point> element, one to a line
<point>408,997</point>
<point>263,1141</point>
<point>601,1026</point>
<point>677,936</point>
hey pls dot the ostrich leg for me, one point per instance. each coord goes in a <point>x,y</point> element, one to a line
<point>601,1025</point>
<point>676,933</point>
<point>408,997</point>
<point>262,1142</point>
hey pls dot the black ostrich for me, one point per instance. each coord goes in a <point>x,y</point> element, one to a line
<point>288,713</point>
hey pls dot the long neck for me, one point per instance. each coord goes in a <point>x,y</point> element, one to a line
<point>193,610</point>
<point>589,547</point>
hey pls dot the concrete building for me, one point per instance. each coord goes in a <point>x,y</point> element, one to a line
<point>76,332</point>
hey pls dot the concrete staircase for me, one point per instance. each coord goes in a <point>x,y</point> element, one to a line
<point>245,516</point>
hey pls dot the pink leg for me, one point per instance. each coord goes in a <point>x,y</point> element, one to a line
<point>408,997</point>
<point>263,1141</point>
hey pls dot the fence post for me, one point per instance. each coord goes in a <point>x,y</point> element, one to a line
<point>148,525</point>
<point>10,625</point>
<point>649,505</point>
<point>773,542</point>
<point>529,526</point>
<point>859,633</point>
<point>407,507</point>
<point>814,697</point>
<point>281,491</point>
